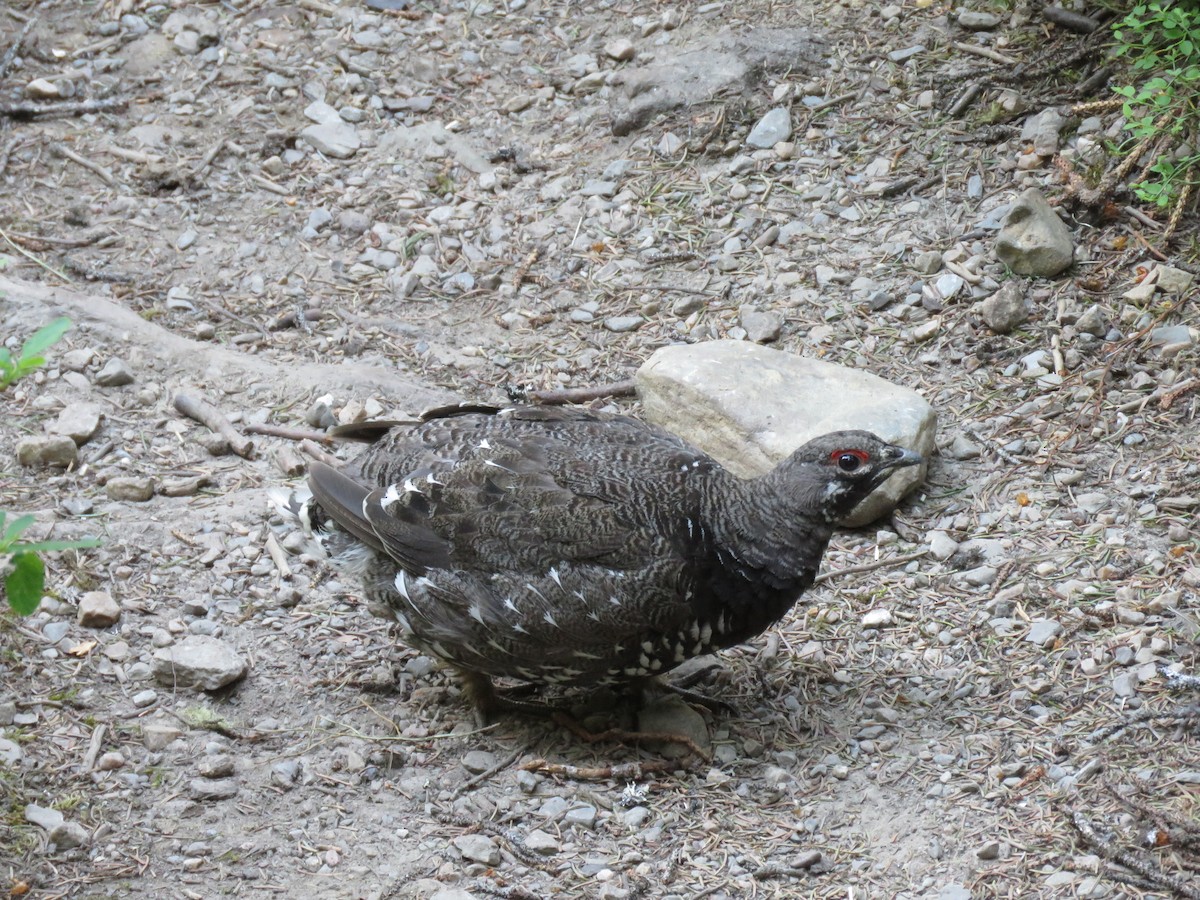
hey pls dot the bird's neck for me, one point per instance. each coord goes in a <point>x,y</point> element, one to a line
<point>764,551</point>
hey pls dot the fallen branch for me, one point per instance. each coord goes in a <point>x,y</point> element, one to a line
<point>1137,862</point>
<point>290,434</point>
<point>211,417</point>
<point>79,108</point>
<point>11,53</point>
<point>559,396</point>
<point>632,771</point>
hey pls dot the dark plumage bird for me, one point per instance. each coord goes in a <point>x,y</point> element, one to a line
<point>556,545</point>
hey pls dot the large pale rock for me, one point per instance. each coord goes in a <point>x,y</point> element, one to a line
<point>750,406</point>
<point>199,662</point>
<point>1034,240</point>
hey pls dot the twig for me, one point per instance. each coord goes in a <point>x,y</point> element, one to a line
<point>206,160</point>
<point>871,566</point>
<point>985,52</point>
<point>93,750</point>
<point>289,434</point>
<point>66,153</point>
<point>1140,863</point>
<point>559,396</point>
<point>313,449</point>
<point>965,99</point>
<point>632,771</point>
<point>484,776</point>
<point>77,108</point>
<point>211,417</point>
<point>11,53</point>
<point>278,557</point>
<point>1072,21</point>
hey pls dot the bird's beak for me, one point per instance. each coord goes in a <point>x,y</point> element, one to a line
<point>901,457</point>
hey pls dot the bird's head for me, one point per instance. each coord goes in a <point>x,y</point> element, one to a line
<point>833,473</point>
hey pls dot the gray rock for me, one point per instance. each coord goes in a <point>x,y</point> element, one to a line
<point>1125,684</point>
<point>78,421</point>
<point>906,53</point>
<point>949,284</point>
<point>352,222</point>
<point>43,817</point>
<point>1092,322</point>
<point>130,488</point>
<point>478,848</point>
<point>953,892</point>
<point>583,816</point>
<point>1043,631</point>
<point>218,766</point>
<point>620,49</point>
<point>750,406</point>
<point>542,843</point>
<point>212,788</point>
<point>927,262</point>
<point>962,447</point>
<point>941,545</point>
<point>988,850</point>
<point>598,189</point>
<point>337,139</point>
<point>977,21</point>
<point>284,773</point>
<point>69,835</point>
<point>715,65</point>
<point>1006,309</point>
<point>624,324</point>
<point>1172,280</point>
<point>42,451</point>
<point>10,752</point>
<point>114,373</point>
<point>1043,130</point>
<point>1034,240</point>
<point>145,698</point>
<point>670,715</point>
<point>98,609</point>
<point>77,360</point>
<point>199,661</point>
<point>761,327</point>
<point>772,128</point>
<point>478,761</point>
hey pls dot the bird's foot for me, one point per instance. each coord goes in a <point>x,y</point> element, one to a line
<point>682,689</point>
<point>620,735</point>
<point>488,702</point>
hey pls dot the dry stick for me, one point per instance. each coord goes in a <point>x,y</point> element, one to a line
<point>1137,862</point>
<point>313,449</point>
<point>290,434</point>
<point>11,53</point>
<point>985,52</point>
<point>1072,21</point>
<point>581,395</point>
<point>871,566</point>
<point>632,771</point>
<point>81,107</point>
<point>279,558</point>
<point>66,153</point>
<point>211,417</point>
<point>965,99</point>
<point>89,758</point>
<point>484,776</point>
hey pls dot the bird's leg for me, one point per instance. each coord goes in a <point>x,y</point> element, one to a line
<point>681,688</point>
<point>487,701</point>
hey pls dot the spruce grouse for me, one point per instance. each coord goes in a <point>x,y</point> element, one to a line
<point>556,545</point>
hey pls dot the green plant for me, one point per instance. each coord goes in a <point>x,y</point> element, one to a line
<point>1160,41</point>
<point>23,585</point>
<point>30,357</point>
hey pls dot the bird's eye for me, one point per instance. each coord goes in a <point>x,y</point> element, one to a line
<point>849,460</point>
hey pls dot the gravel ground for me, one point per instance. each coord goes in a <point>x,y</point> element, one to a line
<point>318,212</point>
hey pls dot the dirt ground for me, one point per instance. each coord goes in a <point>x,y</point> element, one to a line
<point>526,196</point>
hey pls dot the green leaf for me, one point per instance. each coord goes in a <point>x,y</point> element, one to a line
<point>46,337</point>
<point>13,531</point>
<point>25,582</point>
<point>54,546</point>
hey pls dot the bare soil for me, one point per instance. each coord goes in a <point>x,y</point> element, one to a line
<point>937,753</point>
